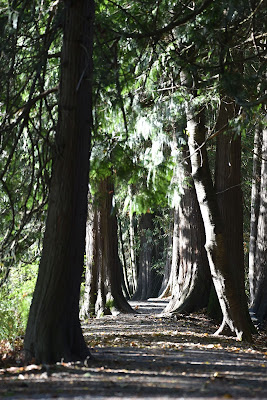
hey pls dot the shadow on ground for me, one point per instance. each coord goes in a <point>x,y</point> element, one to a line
<point>145,356</point>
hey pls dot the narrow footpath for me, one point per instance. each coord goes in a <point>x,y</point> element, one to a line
<point>147,355</point>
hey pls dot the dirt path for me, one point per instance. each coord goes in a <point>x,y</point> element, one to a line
<point>146,356</point>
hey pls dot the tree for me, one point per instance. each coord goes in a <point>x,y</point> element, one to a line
<point>230,295</point>
<point>228,190</point>
<point>165,290</point>
<point>148,281</point>
<point>254,212</point>
<point>53,332</point>
<point>132,252</point>
<point>27,126</point>
<point>190,275</point>
<point>103,285</point>
<point>259,299</point>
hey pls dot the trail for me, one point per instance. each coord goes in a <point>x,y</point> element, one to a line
<point>147,356</point>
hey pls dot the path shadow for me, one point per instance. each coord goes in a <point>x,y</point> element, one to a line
<point>153,306</point>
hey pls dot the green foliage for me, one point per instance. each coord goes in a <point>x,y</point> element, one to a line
<point>15,301</point>
<point>161,233</point>
<point>110,304</point>
<point>29,63</point>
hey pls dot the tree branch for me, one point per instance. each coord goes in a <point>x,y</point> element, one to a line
<point>175,22</point>
<point>40,96</point>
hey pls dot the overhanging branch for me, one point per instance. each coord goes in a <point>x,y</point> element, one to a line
<point>175,22</point>
<point>34,100</point>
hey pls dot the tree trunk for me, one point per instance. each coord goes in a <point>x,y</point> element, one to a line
<point>91,276</point>
<point>173,277</point>
<point>165,290</point>
<point>255,210</point>
<point>259,304</point>
<point>235,312</point>
<point>53,331</point>
<point>104,269</point>
<point>132,245</point>
<point>148,282</point>
<point>229,194</point>
<point>125,280</point>
<point>190,267</point>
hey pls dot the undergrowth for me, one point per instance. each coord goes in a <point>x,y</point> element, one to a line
<point>15,300</point>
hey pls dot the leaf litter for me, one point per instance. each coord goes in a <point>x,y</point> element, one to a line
<point>144,355</point>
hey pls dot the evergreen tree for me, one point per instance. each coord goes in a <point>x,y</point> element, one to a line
<point>53,331</point>
<point>259,299</point>
<point>103,285</point>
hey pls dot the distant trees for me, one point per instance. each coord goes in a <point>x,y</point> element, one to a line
<point>103,284</point>
<point>149,281</point>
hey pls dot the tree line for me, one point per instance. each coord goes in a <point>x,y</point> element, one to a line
<point>137,131</point>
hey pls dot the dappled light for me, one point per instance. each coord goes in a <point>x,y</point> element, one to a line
<point>133,192</point>
<point>143,354</point>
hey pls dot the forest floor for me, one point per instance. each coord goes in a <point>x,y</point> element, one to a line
<point>147,356</point>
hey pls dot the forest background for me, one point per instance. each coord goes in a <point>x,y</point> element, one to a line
<point>173,84</point>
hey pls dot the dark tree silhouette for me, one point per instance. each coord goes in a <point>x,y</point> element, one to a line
<point>53,330</point>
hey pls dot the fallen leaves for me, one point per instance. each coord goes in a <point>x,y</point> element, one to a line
<point>144,351</point>
<point>163,334</point>
<point>11,353</point>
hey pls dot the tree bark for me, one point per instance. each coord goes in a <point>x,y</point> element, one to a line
<point>125,280</point>
<point>190,266</point>
<point>91,275</point>
<point>53,331</point>
<point>235,314</point>
<point>165,290</point>
<point>259,304</point>
<point>148,282</point>
<point>104,268</point>
<point>255,210</point>
<point>132,245</point>
<point>229,194</point>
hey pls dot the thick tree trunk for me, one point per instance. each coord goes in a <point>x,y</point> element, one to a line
<point>255,210</point>
<point>53,331</point>
<point>259,304</point>
<point>104,270</point>
<point>235,313</point>
<point>190,269</point>
<point>148,282</point>
<point>229,194</point>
